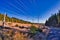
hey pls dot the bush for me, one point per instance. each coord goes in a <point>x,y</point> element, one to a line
<point>33,29</point>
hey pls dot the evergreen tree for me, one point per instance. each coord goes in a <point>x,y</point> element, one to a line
<point>54,20</point>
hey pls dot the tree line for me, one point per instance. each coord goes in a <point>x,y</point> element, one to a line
<point>54,20</point>
<point>12,19</point>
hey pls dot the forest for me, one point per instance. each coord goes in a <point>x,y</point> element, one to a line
<point>54,20</point>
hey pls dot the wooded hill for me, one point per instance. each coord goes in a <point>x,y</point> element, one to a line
<point>54,20</point>
<point>12,19</point>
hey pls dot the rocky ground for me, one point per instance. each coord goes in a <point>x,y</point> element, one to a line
<point>13,34</point>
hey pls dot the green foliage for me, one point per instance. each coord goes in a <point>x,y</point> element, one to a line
<point>54,20</point>
<point>1,17</point>
<point>33,29</point>
<point>13,19</point>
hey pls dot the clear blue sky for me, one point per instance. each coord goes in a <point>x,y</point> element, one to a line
<point>30,9</point>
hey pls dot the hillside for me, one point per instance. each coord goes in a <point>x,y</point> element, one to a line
<point>12,19</point>
<point>54,20</point>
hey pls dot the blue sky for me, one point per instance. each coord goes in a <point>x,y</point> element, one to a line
<point>30,10</point>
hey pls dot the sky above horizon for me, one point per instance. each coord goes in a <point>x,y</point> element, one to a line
<point>30,10</point>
